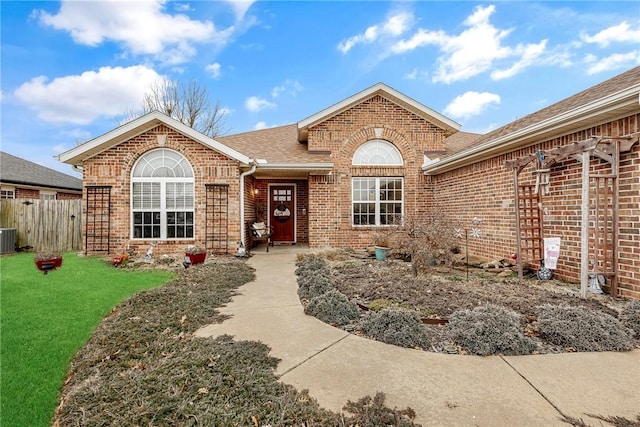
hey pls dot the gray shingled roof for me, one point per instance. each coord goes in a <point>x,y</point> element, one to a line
<point>594,93</point>
<point>15,170</point>
<point>276,145</point>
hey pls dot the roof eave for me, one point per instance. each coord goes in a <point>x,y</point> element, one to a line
<point>608,107</point>
<point>76,156</point>
<point>296,166</point>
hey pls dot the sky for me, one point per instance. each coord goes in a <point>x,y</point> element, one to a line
<point>72,70</point>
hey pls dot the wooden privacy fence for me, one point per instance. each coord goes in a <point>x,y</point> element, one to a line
<point>46,225</point>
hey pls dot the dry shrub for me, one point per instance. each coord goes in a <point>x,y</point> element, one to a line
<point>396,326</point>
<point>630,317</point>
<point>333,307</point>
<point>373,412</point>
<point>582,329</point>
<point>490,329</point>
<point>426,241</point>
<point>314,283</point>
<point>309,263</point>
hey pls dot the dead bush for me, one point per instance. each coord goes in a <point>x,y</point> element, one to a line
<point>427,241</point>
<point>490,329</point>
<point>630,317</point>
<point>582,329</point>
<point>313,283</point>
<point>396,326</point>
<point>373,412</point>
<point>333,307</point>
<point>310,263</point>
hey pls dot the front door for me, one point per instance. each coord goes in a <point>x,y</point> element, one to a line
<point>282,213</point>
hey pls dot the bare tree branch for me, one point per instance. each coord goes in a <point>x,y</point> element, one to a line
<point>189,103</point>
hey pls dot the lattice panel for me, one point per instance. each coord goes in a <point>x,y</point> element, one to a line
<point>531,235</point>
<point>217,218</point>
<point>98,219</point>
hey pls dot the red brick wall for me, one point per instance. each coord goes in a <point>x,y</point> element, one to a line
<point>27,193</point>
<point>330,221</point>
<point>113,167</point>
<point>68,196</point>
<point>485,190</point>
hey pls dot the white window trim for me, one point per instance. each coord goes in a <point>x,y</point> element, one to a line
<point>375,146</point>
<point>377,201</point>
<point>48,195</point>
<point>163,202</point>
<point>9,189</point>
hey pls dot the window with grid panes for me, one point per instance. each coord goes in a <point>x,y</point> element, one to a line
<point>377,201</point>
<point>162,196</point>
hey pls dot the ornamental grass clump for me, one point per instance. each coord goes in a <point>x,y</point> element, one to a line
<point>582,329</point>
<point>630,317</point>
<point>396,326</point>
<point>333,307</point>
<point>490,329</point>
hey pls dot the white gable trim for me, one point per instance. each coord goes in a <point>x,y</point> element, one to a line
<point>76,156</point>
<point>387,92</point>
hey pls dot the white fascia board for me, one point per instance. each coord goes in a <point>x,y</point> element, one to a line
<point>589,110</point>
<point>139,126</point>
<point>296,166</point>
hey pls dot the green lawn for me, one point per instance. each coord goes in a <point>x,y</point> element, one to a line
<point>45,319</point>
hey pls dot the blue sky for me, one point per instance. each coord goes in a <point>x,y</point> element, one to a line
<point>71,70</point>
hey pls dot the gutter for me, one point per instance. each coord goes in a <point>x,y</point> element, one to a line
<point>242,176</point>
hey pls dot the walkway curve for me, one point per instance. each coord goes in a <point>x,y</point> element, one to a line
<point>444,390</point>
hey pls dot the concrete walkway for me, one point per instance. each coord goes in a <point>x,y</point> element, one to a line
<point>444,390</point>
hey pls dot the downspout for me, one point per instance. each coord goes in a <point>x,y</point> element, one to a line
<point>242,176</point>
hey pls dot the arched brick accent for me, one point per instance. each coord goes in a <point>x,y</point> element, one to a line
<point>351,144</point>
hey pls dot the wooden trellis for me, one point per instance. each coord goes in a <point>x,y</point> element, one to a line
<point>599,220</point>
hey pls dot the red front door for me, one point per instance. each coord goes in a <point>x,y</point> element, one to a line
<point>282,213</point>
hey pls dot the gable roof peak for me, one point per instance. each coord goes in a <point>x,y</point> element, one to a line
<point>387,92</point>
<point>77,155</point>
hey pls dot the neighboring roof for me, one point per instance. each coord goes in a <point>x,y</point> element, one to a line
<point>387,92</point>
<point>77,155</point>
<point>278,148</point>
<point>605,101</point>
<point>18,171</point>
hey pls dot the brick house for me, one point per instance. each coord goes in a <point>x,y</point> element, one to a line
<point>22,179</point>
<point>338,176</point>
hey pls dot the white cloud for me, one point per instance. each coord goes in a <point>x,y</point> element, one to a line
<point>614,62</point>
<point>473,51</point>
<point>471,104</point>
<point>240,7</point>
<point>260,126</point>
<point>528,56</point>
<point>255,104</point>
<point>394,26</point>
<point>213,70</point>
<point>142,27</point>
<point>290,87</point>
<point>621,33</point>
<point>80,99</point>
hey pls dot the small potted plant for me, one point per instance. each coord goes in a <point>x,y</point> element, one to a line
<point>382,246</point>
<point>47,261</point>
<point>194,255</point>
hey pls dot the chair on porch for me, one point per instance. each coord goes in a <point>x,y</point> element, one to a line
<point>259,232</point>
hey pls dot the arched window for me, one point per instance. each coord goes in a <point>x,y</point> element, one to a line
<point>377,152</point>
<point>377,200</point>
<point>162,196</point>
